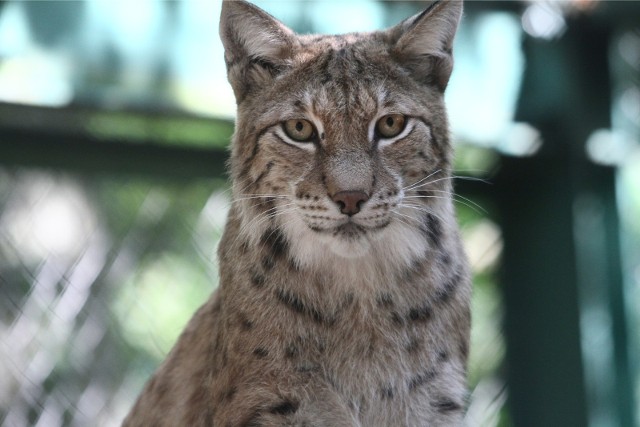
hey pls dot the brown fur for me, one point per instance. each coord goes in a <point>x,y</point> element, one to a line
<point>322,318</point>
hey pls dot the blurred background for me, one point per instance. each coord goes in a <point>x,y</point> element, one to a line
<point>114,122</point>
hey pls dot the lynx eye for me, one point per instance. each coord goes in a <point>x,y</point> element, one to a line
<point>299,130</point>
<point>390,125</point>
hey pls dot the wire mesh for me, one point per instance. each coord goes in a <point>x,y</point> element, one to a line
<point>86,265</point>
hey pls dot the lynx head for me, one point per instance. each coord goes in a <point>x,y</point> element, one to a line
<point>341,142</point>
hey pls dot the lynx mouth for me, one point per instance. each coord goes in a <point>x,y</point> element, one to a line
<point>349,230</point>
<point>352,230</point>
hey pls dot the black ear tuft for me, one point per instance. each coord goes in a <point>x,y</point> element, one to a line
<point>424,42</point>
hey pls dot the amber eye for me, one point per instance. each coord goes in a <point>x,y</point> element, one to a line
<point>390,125</point>
<point>299,130</point>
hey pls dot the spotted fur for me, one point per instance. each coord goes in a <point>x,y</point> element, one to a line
<point>327,318</point>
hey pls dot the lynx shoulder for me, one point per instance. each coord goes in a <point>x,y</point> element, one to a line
<point>344,290</point>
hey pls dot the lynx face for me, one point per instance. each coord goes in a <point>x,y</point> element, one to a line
<point>342,140</point>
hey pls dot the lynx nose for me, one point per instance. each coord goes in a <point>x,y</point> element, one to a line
<point>350,201</point>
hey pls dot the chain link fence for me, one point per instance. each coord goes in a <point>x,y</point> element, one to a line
<point>98,276</point>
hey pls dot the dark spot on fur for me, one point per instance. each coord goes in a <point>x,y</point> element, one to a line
<point>268,263</point>
<point>244,247</point>
<point>295,303</point>
<point>268,204</point>
<point>445,259</point>
<point>360,67</point>
<point>291,351</point>
<point>326,79</point>
<point>384,300</point>
<point>420,314</point>
<point>421,379</point>
<point>291,301</point>
<point>260,352</point>
<point>228,394</point>
<point>413,345</point>
<point>361,406</point>
<point>245,323</point>
<point>308,367</point>
<point>444,293</point>
<point>348,301</point>
<point>433,230</point>
<point>397,319</point>
<point>446,405</point>
<point>258,280</point>
<point>424,156</point>
<point>387,392</point>
<point>275,242</point>
<point>285,408</point>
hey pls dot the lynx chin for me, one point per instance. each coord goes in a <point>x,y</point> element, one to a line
<point>344,289</point>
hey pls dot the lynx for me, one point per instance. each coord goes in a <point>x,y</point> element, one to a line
<point>344,289</point>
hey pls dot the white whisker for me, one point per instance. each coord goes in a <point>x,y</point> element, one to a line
<point>420,184</point>
<point>406,216</point>
<point>455,197</point>
<point>424,209</point>
<point>463,200</point>
<point>412,186</point>
<point>471,178</point>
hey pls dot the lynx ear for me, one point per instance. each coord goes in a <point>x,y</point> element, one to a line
<point>256,45</point>
<point>423,43</point>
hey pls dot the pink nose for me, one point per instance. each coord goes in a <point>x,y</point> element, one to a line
<point>350,202</point>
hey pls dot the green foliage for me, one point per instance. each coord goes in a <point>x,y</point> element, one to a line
<point>168,130</point>
<point>156,302</point>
